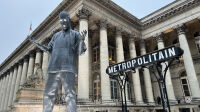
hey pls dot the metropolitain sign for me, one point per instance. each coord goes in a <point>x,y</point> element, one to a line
<point>147,59</point>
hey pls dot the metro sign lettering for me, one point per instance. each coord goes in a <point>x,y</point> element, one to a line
<point>147,59</point>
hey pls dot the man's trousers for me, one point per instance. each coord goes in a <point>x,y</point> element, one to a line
<point>51,89</point>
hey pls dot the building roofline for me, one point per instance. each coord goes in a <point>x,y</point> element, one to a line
<point>166,14</point>
<point>159,10</point>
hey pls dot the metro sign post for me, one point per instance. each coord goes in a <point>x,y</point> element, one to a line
<point>155,59</point>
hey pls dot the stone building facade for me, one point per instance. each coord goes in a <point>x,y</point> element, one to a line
<point>114,35</point>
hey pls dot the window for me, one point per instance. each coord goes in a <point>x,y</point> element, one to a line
<point>97,88</point>
<point>129,90</point>
<point>184,83</point>
<point>197,41</point>
<point>111,51</point>
<point>114,89</point>
<point>95,54</point>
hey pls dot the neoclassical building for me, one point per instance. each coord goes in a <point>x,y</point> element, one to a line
<point>114,35</point>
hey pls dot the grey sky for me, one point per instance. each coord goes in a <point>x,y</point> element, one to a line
<point>16,16</point>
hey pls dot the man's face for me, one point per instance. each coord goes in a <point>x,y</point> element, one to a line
<point>64,23</point>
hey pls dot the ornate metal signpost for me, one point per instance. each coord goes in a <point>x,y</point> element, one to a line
<point>157,62</point>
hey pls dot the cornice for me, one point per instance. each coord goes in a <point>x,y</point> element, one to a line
<point>187,5</point>
<point>120,11</point>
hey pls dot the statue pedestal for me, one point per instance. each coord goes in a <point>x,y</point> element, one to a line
<point>30,95</point>
<point>29,98</point>
<point>33,94</point>
<point>36,108</point>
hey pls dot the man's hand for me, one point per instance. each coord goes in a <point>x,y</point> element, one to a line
<point>83,34</point>
<point>42,47</point>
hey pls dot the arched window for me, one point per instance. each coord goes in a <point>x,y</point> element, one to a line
<point>97,87</point>
<point>184,83</point>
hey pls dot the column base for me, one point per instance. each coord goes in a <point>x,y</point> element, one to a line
<point>151,103</point>
<point>129,102</point>
<point>195,100</point>
<point>84,102</point>
<point>109,102</point>
<point>140,103</point>
<point>173,102</point>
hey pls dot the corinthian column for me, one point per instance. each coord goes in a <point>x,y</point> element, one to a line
<point>5,90</point>
<point>188,62</point>
<point>147,77</point>
<point>169,85</point>
<point>104,62</point>
<point>83,65</point>
<point>120,51</point>
<point>119,45</point>
<point>1,88</point>
<point>38,58</point>
<point>45,63</point>
<point>2,92</point>
<point>19,73</point>
<point>135,76</point>
<point>9,88</point>
<point>10,100</point>
<point>31,64</point>
<point>24,71</point>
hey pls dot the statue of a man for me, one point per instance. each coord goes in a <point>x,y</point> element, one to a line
<point>64,48</point>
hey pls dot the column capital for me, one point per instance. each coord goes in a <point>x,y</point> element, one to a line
<point>159,37</point>
<point>142,42</point>
<point>20,61</point>
<point>132,38</point>
<point>38,50</point>
<point>11,68</point>
<point>180,29</point>
<point>25,58</point>
<point>16,65</point>
<point>84,13</point>
<point>8,71</point>
<point>102,23</point>
<point>32,53</point>
<point>118,30</point>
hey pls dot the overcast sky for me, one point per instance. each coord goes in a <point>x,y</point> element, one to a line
<point>16,16</point>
